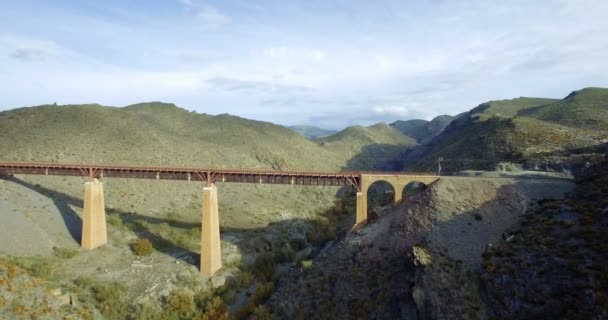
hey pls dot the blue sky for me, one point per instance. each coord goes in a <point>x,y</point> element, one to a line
<point>326,63</point>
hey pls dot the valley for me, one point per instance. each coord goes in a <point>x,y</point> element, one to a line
<point>290,251</point>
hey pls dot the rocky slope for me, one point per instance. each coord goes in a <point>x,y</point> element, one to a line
<point>553,263</point>
<point>415,261</point>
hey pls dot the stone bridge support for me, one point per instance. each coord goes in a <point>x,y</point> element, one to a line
<point>397,181</point>
<point>211,251</point>
<point>94,232</point>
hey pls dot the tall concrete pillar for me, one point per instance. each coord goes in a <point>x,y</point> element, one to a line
<point>361,208</point>
<point>211,252</point>
<point>94,232</point>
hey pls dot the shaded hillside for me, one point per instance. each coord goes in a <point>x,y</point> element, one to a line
<point>415,260</point>
<point>499,131</point>
<point>312,132</point>
<point>375,147</point>
<point>422,130</point>
<point>156,134</point>
<point>560,255</point>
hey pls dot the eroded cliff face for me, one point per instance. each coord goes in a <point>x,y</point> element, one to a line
<point>418,260</point>
<point>554,263</point>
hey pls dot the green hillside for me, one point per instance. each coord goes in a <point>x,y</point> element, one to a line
<point>155,134</point>
<point>507,108</point>
<point>376,147</point>
<point>422,130</point>
<point>312,132</point>
<point>587,108</point>
<point>517,130</point>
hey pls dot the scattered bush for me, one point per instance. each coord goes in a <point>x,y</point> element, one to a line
<point>245,279</point>
<point>202,298</point>
<point>181,303</point>
<point>323,230</point>
<point>216,310</point>
<point>84,282</point>
<point>284,254</point>
<point>264,267</point>
<point>146,311</point>
<point>262,313</point>
<point>115,220</point>
<point>261,294</point>
<point>65,253</point>
<point>307,264</point>
<point>142,247</point>
<point>109,300</point>
<point>41,269</point>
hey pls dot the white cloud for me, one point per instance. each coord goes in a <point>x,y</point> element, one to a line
<point>211,17</point>
<point>321,62</point>
<point>188,3</point>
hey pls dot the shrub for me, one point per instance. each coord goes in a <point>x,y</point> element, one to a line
<point>307,264</point>
<point>262,313</point>
<point>216,310</point>
<point>42,269</point>
<point>264,267</point>
<point>146,311</point>
<point>245,279</point>
<point>142,247</point>
<point>109,300</point>
<point>261,294</point>
<point>84,282</point>
<point>285,254</point>
<point>65,253</point>
<point>115,220</point>
<point>181,302</point>
<point>202,298</point>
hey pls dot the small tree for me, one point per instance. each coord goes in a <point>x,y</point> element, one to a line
<point>262,313</point>
<point>142,247</point>
<point>181,302</point>
<point>216,310</point>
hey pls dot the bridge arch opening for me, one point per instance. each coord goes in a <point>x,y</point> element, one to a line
<point>379,194</point>
<point>413,188</point>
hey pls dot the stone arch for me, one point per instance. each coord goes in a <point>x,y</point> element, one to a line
<point>412,188</point>
<point>380,193</point>
<point>396,180</point>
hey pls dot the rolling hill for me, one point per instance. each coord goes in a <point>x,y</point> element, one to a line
<point>522,130</point>
<point>161,134</point>
<point>587,108</point>
<point>422,130</point>
<point>375,147</point>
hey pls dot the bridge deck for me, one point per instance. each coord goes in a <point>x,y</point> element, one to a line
<point>194,174</point>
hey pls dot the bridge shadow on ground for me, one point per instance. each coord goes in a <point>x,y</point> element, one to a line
<point>246,240</point>
<point>72,221</point>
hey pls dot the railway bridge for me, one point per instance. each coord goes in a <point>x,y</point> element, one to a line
<point>94,233</point>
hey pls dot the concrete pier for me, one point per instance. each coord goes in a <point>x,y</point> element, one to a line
<point>361,208</point>
<point>94,233</point>
<point>211,251</point>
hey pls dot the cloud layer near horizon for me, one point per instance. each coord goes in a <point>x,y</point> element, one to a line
<point>325,63</point>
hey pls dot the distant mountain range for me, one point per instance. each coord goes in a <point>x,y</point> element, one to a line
<point>312,132</point>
